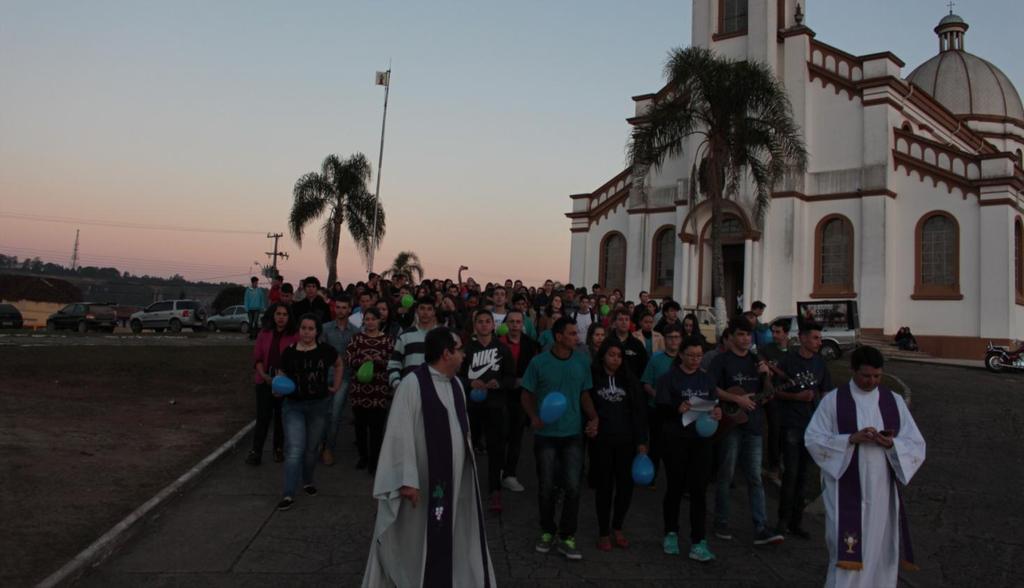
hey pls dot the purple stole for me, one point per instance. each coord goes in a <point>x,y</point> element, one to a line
<point>439,561</point>
<point>849,537</point>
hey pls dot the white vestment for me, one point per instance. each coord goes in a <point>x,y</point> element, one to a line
<point>879,502</point>
<point>399,545</point>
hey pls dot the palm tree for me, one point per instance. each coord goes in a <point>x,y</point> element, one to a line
<point>744,117</point>
<point>339,194</point>
<point>406,263</point>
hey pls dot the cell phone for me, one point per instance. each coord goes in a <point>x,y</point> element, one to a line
<point>887,432</point>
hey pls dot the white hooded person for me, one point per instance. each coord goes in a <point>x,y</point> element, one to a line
<point>430,525</point>
<point>868,447</point>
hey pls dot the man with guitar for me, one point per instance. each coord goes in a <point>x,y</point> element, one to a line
<point>742,382</point>
<point>808,379</point>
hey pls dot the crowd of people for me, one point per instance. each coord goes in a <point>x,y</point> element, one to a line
<point>445,372</point>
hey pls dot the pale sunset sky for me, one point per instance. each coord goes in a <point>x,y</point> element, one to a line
<point>203,115</point>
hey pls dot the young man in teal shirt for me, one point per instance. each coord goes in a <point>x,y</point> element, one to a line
<point>658,366</point>
<point>558,446</point>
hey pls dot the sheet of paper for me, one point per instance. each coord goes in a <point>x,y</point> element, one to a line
<point>698,406</point>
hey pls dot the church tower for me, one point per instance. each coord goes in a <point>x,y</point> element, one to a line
<point>745,29</point>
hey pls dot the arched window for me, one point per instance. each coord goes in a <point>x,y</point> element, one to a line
<point>833,257</point>
<point>663,261</point>
<point>937,257</point>
<point>732,17</point>
<point>613,262</point>
<point>1018,259</point>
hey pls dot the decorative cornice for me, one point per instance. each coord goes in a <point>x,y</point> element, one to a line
<point>833,195</point>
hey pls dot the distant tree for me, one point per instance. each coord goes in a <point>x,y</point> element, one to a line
<point>229,296</point>
<point>406,264</point>
<point>339,194</point>
<point>37,265</point>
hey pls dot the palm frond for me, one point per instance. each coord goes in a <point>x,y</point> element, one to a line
<point>312,195</point>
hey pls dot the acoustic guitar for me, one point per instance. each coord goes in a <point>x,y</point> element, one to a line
<point>733,415</point>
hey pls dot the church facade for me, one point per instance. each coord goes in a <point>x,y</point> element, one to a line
<point>912,203</point>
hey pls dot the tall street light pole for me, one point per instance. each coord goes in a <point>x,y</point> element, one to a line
<point>383,78</point>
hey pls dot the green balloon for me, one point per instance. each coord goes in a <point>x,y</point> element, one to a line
<point>365,372</point>
<point>502,330</point>
<point>408,301</point>
<point>605,309</point>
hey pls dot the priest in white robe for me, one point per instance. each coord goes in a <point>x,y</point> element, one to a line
<point>430,527</point>
<point>868,446</point>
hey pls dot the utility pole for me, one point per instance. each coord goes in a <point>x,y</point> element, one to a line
<point>74,254</point>
<point>383,79</point>
<point>275,254</point>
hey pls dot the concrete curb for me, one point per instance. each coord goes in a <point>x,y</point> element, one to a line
<point>102,547</point>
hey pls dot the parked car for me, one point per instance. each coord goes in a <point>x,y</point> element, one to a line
<point>173,315</point>
<point>835,339</point>
<point>10,317</point>
<point>232,318</point>
<point>83,317</point>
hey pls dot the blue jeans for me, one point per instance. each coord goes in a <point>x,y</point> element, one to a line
<point>559,467</point>
<point>337,404</point>
<point>746,448</point>
<point>304,422</point>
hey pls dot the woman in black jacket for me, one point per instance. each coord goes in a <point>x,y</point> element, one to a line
<point>620,434</point>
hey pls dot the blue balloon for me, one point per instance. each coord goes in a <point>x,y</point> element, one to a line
<point>478,394</point>
<point>282,385</point>
<point>706,426</point>
<point>553,407</point>
<point>643,470</point>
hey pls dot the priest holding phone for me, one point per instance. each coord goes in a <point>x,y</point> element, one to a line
<point>868,447</point>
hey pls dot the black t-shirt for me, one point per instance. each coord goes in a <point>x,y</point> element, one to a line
<point>308,369</point>
<point>728,370</point>
<point>772,354</point>
<point>621,408</point>
<point>807,374</point>
<point>635,356</point>
<point>675,387</point>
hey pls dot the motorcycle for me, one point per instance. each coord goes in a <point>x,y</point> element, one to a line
<point>1001,357</point>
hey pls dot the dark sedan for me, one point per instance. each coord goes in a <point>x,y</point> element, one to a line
<point>10,317</point>
<point>84,317</point>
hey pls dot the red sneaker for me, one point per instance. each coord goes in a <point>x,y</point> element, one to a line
<point>621,541</point>
<point>496,501</point>
<point>604,544</point>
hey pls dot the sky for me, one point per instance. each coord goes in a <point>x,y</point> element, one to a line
<point>202,115</point>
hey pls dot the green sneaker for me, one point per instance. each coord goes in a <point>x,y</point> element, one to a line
<point>670,544</point>
<point>544,545</point>
<point>700,552</point>
<point>567,547</point>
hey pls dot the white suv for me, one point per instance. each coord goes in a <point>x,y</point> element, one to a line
<point>172,315</point>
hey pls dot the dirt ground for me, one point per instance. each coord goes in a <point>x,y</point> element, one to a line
<point>88,433</point>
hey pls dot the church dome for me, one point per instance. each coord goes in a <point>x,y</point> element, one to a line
<point>963,82</point>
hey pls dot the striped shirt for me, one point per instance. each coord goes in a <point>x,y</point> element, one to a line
<point>408,354</point>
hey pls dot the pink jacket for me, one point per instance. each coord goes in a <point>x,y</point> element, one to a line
<point>261,352</point>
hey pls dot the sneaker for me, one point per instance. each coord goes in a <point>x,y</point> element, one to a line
<point>799,532</point>
<point>253,458</point>
<point>361,464</point>
<point>544,545</point>
<point>773,477</point>
<point>700,552</point>
<point>511,483</point>
<point>310,490</point>
<point>723,532</point>
<point>620,540</point>
<point>278,455</point>
<point>567,547</point>
<point>496,501</point>
<point>327,456</point>
<point>766,537</point>
<point>604,543</point>
<point>285,503</point>
<point>670,544</point>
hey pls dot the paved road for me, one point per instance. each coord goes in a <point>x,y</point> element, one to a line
<point>965,508</point>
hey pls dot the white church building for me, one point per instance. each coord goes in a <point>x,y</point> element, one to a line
<point>912,203</point>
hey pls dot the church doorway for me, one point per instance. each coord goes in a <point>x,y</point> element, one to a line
<point>732,262</point>
<point>733,254</point>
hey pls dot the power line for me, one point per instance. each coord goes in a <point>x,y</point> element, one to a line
<point>96,258</point>
<point>122,225</point>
